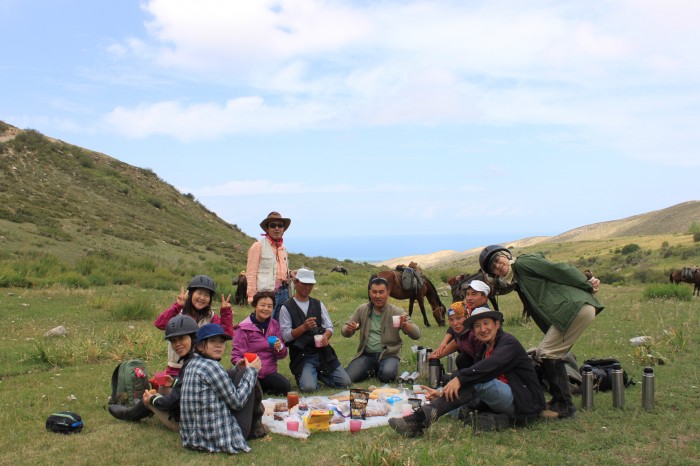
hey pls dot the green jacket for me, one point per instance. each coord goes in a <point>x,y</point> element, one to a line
<point>555,292</point>
<point>391,337</point>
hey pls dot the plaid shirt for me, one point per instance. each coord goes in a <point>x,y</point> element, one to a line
<point>208,396</point>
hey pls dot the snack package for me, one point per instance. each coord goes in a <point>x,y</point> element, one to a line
<point>358,403</point>
<point>319,419</point>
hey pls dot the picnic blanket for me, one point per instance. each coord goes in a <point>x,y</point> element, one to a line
<point>385,407</point>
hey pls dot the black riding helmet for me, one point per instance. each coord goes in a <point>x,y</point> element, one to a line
<point>488,255</point>
<point>180,325</point>
<point>202,281</point>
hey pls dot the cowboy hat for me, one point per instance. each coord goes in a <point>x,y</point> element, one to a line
<point>275,216</point>
<point>482,313</point>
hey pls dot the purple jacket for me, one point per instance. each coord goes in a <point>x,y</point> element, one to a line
<point>250,339</point>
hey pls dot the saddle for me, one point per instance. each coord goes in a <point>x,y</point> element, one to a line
<point>687,273</point>
<point>411,280</point>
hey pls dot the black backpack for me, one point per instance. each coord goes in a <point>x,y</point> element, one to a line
<point>602,378</point>
<point>64,422</point>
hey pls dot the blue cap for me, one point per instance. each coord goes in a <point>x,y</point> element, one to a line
<point>211,330</point>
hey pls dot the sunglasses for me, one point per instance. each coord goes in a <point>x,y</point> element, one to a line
<point>275,225</point>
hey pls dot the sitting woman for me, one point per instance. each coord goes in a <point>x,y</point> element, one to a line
<point>180,332</point>
<point>215,413</point>
<point>261,334</point>
<point>196,303</point>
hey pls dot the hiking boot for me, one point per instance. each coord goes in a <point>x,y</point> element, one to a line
<point>136,413</point>
<point>489,422</point>
<point>409,426</point>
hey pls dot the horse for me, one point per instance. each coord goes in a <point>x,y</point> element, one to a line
<point>241,296</point>
<point>340,269</point>
<point>427,290</point>
<point>678,276</point>
<point>459,284</point>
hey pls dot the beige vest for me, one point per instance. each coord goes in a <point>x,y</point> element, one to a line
<point>267,270</point>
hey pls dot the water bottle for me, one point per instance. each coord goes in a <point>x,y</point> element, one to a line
<point>434,373</point>
<point>648,389</point>
<point>587,387</point>
<point>618,387</point>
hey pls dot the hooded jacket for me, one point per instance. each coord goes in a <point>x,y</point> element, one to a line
<point>250,339</point>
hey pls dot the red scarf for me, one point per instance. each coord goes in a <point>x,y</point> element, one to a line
<point>276,243</point>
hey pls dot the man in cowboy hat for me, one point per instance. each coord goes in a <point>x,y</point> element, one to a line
<point>268,264</point>
<point>503,378</point>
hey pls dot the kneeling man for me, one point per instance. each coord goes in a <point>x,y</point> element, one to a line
<point>502,377</point>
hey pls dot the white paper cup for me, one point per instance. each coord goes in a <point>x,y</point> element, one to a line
<point>317,340</point>
<point>397,321</point>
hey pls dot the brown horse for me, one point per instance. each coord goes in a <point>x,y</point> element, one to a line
<point>677,276</point>
<point>241,296</point>
<point>427,291</point>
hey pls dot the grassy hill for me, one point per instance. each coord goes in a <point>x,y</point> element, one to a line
<point>79,218</point>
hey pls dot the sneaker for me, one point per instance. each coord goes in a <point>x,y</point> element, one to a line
<point>409,426</point>
<point>560,410</point>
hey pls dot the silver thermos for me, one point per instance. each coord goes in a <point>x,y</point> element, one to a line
<point>648,389</point>
<point>451,362</point>
<point>618,387</point>
<point>434,373</point>
<point>420,356</point>
<point>587,387</point>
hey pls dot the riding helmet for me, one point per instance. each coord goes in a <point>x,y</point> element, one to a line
<point>180,325</point>
<point>488,255</point>
<point>202,281</point>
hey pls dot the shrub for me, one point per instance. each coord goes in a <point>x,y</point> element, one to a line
<point>139,308</point>
<point>630,248</point>
<point>668,291</point>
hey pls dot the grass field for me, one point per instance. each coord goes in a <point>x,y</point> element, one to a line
<point>41,375</point>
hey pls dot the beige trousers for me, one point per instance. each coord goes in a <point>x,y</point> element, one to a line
<point>556,343</point>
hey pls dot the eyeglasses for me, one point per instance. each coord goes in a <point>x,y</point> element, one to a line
<point>275,225</point>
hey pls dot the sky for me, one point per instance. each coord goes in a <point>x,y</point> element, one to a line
<point>381,128</point>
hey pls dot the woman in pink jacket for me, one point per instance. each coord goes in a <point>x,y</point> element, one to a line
<point>196,303</point>
<point>260,334</point>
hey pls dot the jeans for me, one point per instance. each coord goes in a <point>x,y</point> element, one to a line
<point>281,295</point>
<point>496,395</point>
<point>308,381</point>
<point>362,367</point>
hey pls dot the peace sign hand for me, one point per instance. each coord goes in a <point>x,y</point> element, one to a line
<point>182,297</point>
<point>225,302</point>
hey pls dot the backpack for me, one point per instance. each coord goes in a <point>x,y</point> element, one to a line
<point>602,377</point>
<point>129,381</point>
<point>64,422</point>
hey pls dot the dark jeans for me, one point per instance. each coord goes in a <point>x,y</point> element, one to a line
<point>275,384</point>
<point>243,416</point>
<point>364,366</point>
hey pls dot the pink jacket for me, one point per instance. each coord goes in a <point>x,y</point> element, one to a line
<point>226,321</point>
<point>250,339</point>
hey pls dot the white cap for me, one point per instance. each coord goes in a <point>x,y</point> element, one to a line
<point>306,276</point>
<point>478,285</point>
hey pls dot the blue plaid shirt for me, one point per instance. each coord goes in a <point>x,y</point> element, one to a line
<point>208,396</point>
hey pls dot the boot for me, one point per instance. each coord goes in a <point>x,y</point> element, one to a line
<point>135,414</point>
<point>411,425</point>
<point>561,406</point>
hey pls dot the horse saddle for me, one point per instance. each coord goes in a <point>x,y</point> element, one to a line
<point>410,280</point>
<point>687,273</point>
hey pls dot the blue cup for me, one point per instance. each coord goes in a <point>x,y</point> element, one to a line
<point>272,340</point>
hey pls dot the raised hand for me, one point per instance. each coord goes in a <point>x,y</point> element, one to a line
<point>225,301</point>
<point>182,297</point>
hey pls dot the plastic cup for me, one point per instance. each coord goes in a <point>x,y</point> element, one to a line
<point>272,340</point>
<point>293,425</point>
<point>318,339</point>
<point>355,425</point>
<point>397,321</point>
<point>160,377</point>
<point>250,357</point>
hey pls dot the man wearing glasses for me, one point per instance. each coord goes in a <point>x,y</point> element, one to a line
<point>268,265</point>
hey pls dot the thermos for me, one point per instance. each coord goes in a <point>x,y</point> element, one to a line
<point>648,389</point>
<point>451,363</point>
<point>587,387</point>
<point>420,355</point>
<point>434,373</point>
<point>618,387</point>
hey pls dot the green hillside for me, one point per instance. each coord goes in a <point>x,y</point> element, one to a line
<point>79,218</point>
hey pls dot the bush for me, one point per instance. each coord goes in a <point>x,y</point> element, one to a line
<point>668,291</point>
<point>133,309</point>
<point>630,248</point>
